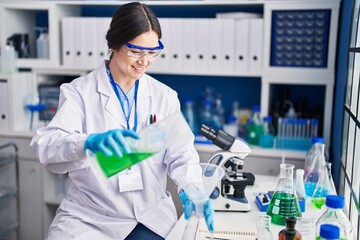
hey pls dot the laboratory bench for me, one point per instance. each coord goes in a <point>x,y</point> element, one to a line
<point>242,225</point>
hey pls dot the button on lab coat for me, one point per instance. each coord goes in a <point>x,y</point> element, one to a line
<point>92,210</point>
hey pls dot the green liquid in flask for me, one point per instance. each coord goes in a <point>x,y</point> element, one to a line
<point>283,205</point>
<point>113,164</point>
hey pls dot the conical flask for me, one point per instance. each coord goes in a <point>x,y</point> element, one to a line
<point>284,202</point>
<point>313,173</point>
<point>324,187</point>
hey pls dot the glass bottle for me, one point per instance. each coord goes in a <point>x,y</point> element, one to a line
<point>329,232</point>
<point>313,172</point>
<point>284,202</point>
<point>189,114</point>
<point>299,183</point>
<point>253,127</point>
<point>219,113</point>
<point>324,187</point>
<point>263,228</point>
<point>290,224</point>
<point>290,234</point>
<point>335,215</point>
<point>267,133</point>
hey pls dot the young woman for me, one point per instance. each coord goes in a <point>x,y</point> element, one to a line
<point>96,112</point>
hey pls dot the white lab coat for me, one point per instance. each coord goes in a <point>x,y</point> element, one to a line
<point>89,105</point>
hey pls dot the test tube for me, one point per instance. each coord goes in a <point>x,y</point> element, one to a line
<point>314,128</point>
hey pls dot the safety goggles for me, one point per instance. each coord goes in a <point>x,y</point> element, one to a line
<point>139,52</point>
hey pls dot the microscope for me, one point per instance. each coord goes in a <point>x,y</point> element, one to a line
<point>229,195</point>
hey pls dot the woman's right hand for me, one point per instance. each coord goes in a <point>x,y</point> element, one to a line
<point>110,142</point>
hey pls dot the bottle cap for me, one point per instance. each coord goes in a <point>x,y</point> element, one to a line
<point>232,119</point>
<point>256,108</point>
<point>329,231</point>
<point>335,201</point>
<point>267,119</point>
<point>317,140</point>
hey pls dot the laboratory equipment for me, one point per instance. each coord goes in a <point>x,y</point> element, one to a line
<point>310,154</point>
<point>329,232</point>
<point>305,226</point>
<point>20,41</point>
<point>152,139</point>
<point>263,228</point>
<point>335,215</point>
<point>299,183</point>
<point>49,97</point>
<point>312,173</point>
<point>284,202</point>
<point>230,193</point>
<point>198,181</point>
<point>254,127</point>
<point>42,43</point>
<point>189,114</point>
<point>267,133</point>
<point>290,224</point>
<point>7,59</point>
<point>325,186</point>
<point>219,113</point>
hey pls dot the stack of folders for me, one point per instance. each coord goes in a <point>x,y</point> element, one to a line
<point>83,41</point>
<point>231,43</point>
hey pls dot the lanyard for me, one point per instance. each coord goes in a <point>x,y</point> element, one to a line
<point>114,85</point>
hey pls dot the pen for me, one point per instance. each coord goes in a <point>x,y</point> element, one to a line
<point>154,119</point>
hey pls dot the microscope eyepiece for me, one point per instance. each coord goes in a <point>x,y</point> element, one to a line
<point>220,138</point>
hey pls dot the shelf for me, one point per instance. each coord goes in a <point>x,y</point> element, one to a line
<point>7,229</point>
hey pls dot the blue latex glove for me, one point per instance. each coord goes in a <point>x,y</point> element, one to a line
<point>110,141</point>
<point>189,207</point>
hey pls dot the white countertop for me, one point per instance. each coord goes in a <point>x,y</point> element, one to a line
<point>241,225</point>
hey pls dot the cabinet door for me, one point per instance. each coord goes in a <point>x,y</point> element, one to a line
<point>31,199</point>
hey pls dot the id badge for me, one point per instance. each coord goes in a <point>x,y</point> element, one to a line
<point>130,180</point>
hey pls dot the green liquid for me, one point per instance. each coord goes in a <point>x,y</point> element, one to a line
<point>283,205</point>
<point>318,202</point>
<point>113,164</point>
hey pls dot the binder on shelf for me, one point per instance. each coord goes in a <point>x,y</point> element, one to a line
<point>67,40</point>
<point>241,45</point>
<point>162,62</point>
<point>90,44</point>
<point>189,39</point>
<point>214,45</point>
<point>103,24</point>
<point>201,44</point>
<point>227,52</point>
<point>256,44</point>
<point>79,41</point>
<point>176,45</point>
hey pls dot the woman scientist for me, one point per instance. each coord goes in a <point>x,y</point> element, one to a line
<point>96,112</point>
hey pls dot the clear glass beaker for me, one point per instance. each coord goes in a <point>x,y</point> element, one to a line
<point>284,202</point>
<point>324,187</point>
<point>263,228</point>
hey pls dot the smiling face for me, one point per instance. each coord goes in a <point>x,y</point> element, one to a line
<point>126,68</point>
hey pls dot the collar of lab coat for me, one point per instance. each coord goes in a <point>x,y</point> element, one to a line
<point>112,104</point>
